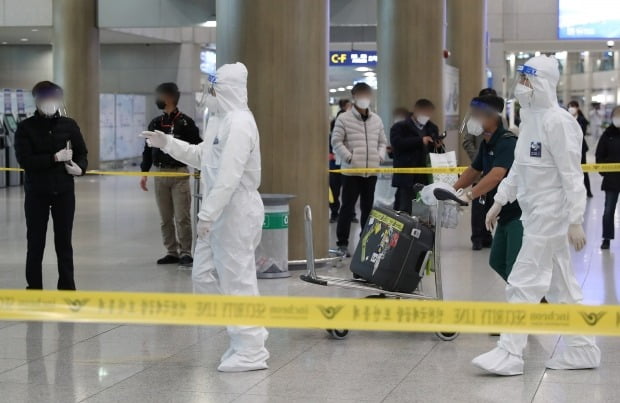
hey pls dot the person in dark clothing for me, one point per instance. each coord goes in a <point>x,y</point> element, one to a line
<point>411,140</point>
<point>335,179</point>
<point>575,111</point>
<point>608,151</point>
<point>51,150</point>
<point>173,194</point>
<point>480,236</point>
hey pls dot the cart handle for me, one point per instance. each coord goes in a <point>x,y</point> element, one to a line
<point>444,195</point>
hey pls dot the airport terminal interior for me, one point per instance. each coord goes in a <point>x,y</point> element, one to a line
<point>271,95</point>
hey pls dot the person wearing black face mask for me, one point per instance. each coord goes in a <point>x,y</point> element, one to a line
<point>51,150</point>
<point>172,194</point>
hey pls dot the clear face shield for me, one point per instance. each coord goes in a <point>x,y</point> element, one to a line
<point>477,118</point>
<point>522,88</point>
<point>50,101</point>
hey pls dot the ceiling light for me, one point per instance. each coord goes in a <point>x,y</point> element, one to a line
<point>370,74</point>
<point>537,54</point>
<point>4,43</point>
<point>341,89</point>
<point>35,29</point>
<point>332,90</point>
<point>24,39</point>
<point>349,87</point>
<point>209,24</point>
<point>361,69</point>
<point>610,44</point>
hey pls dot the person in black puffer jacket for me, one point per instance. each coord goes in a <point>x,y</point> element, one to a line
<point>51,150</point>
<point>608,151</point>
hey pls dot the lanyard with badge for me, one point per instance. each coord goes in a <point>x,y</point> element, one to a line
<point>169,127</point>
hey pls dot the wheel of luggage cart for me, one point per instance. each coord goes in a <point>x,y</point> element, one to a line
<point>338,334</point>
<point>447,336</point>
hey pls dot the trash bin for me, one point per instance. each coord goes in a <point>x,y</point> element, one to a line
<point>272,253</point>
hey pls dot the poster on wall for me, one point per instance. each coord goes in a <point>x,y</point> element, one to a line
<point>107,146</point>
<point>451,97</point>
<point>122,118</point>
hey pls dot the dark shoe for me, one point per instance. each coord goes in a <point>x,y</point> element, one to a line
<point>333,219</point>
<point>494,334</point>
<point>544,300</point>
<point>344,251</point>
<point>605,244</point>
<point>168,259</point>
<point>476,245</point>
<point>590,195</point>
<point>355,220</point>
<point>487,244</point>
<point>186,261</point>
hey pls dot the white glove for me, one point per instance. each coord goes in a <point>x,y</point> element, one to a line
<point>157,139</point>
<point>492,215</point>
<point>203,228</point>
<point>73,169</point>
<point>464,196</point>
<point>63,155</point>
<point>576,236</point>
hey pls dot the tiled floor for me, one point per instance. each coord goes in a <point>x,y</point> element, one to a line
<point>116,241</point>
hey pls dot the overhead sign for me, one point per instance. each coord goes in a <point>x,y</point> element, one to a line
<point>353,58</point>
<point>207,61</point>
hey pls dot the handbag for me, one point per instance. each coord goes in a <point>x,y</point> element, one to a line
<point>444,160</point>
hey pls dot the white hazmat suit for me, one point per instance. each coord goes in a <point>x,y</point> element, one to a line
<point>232,213</point>
<point>547,180</point>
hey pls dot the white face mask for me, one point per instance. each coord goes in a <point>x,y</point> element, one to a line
<point>423,119</point>
<point>616,121</point>
<point>573,111</point>
<point>523,94</point>
<point>49,108</point>
<point>474,127</point>
<point>362,103</point>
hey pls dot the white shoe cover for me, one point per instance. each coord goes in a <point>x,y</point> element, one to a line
<point>576,357</point>
<point>500,362</point>
<point>227,354</point>
<point>240,363</point>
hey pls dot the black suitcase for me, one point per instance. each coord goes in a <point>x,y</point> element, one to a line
<point>392,249</point>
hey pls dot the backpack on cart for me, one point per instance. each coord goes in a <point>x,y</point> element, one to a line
<point>393,250</point>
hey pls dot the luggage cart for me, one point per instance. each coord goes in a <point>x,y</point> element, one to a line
<point>443,196</point>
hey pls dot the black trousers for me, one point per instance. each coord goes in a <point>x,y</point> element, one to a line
<point>335,183</point>
<point>354,188</point>
<point>479,231</point>
<point>404,199</point>
<point>38,206</point>
<point>611,200</point>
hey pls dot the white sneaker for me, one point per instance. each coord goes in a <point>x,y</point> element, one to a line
<point>500,362</point>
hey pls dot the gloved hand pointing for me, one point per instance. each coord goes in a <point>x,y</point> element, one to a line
<point>577,236</point>
<point>157,139</point>
<point>73,169</point>
<point>492,215</point>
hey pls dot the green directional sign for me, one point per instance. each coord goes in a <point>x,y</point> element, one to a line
<point>275,221</point>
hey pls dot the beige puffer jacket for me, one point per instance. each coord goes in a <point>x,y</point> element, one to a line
<point>359,143</point>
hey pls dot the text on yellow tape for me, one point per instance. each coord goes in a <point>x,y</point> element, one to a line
<point>305,312</point>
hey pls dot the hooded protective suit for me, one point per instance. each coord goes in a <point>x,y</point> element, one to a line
<point>547,179</point>
<point>232,209</point>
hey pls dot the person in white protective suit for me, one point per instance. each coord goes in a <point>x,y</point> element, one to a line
<point>232,213</point>
<point>547,180</point>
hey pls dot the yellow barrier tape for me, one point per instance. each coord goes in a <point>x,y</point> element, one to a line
<point>305,312</point>
<point>456,170</point>
<point>122,173</point>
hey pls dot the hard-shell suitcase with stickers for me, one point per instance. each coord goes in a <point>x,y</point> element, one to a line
<point>393,250</point>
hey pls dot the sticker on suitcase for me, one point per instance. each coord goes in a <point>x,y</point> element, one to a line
<point>385,228</point>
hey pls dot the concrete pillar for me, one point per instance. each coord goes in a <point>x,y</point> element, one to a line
<point>567,80</point>
<point>466,37</point>
<point>588,66</point>
<point>76,66</point>
<point>410,43</point>
<point>284,44</point>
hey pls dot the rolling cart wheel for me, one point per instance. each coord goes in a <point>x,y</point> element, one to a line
<point>338,334</point>
<point>447,336</point>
